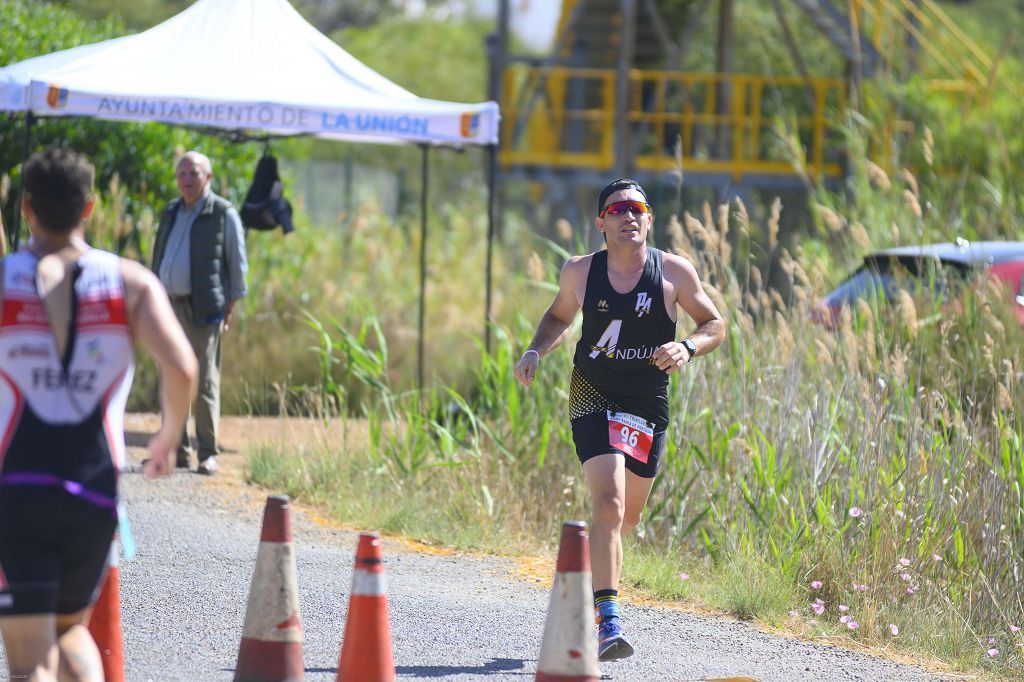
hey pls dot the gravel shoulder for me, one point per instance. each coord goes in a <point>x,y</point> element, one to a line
<point>453,617</point>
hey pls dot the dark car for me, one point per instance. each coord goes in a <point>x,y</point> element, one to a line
<point>940,269</point>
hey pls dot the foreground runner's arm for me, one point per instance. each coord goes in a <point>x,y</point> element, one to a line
<point>155,327</point>
<point>554,324</point>
<point>685,290</point>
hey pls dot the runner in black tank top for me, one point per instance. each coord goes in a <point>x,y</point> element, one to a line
<point>618,398</point>
<point>613,368</point>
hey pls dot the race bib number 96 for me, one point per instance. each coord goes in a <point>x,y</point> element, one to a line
<point>631,435</point>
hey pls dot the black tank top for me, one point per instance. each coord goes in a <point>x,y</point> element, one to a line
<point>613,368</point>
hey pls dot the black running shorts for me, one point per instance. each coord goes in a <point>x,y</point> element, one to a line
<point>592,434</point>
<point>53,551</point>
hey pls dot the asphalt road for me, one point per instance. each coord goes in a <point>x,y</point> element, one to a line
<point>184,595</point>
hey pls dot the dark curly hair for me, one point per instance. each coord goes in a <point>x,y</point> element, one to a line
<point>58,182</point>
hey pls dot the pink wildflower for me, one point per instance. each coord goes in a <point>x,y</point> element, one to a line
<point>843,608</point>
<point>936,557</point>
<point>852,624</point>
<point>816,585</point>
<point>905,576</point>
<point>855,512</point>
<point>904,562</point>
<point>912,589</point>
<point>991,640</point>
<point>993,652</point>
<point>684,576</point>
<point>1014,628</point>
<point>893,629</point>
<point>819,608</point>
<point>845,619</point>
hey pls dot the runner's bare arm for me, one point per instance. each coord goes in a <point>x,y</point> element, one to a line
<point>155,327</point>
<point>554,324</point>
<point>682,277</point>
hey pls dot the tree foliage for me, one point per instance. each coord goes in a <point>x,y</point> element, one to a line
<point>141,154</point>
<point>326,15</point>
<point>431,58</point>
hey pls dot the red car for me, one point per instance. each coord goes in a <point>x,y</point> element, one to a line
<point>939,268</point>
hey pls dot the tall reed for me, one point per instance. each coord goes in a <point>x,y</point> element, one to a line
<point>876,470</point>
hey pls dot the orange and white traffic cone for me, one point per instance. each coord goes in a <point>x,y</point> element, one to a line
<point>366,649</point>
<point>568,650</point>
<point>105,622</point>
<point>271,647</point>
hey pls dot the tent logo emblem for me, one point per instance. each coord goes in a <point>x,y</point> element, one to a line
<point>57,97</point>
<point>469,124</point>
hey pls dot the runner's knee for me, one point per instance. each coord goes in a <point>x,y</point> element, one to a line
<point>630,521</point>
<point>609,509</point>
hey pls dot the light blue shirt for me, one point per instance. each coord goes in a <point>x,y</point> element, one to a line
<point>176,266</point>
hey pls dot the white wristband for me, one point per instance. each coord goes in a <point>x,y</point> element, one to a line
<point>530,350</point>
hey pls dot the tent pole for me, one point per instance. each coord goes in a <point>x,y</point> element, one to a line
<point>25,150</point>
<point>492,219</point>
<point>423,264</point>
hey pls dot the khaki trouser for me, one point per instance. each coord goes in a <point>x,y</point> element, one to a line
<point>205,340</point>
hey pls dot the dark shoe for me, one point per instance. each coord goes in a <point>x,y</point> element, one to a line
<point>208,466</point>
<point>611,645</point>
<point>182,461</point>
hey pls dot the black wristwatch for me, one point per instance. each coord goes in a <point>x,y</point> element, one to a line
<point>691,347</point>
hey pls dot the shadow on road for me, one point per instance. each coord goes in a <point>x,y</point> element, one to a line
<point>493,667</point>
<point>140,439</point>
<point>137,439</point>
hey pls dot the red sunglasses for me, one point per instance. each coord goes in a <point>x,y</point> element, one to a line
<point>621,207</point>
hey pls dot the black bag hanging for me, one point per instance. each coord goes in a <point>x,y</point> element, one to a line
<point>265,206</point>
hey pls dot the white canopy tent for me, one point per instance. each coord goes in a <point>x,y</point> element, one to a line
<point>239,65</point>
<point>247,65</point>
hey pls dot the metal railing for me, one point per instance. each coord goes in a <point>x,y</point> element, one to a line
<point>958,64</point>
<point>564,117</point>
<point>772,125</point>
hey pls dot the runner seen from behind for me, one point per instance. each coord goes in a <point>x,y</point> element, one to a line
<point>71,316</point>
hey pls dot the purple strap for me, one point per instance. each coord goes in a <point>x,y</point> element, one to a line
<point>29,478</point>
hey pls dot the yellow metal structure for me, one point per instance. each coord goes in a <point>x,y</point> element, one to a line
<point>675,121</point>
<point>563,117</point>
<point>956,63</point>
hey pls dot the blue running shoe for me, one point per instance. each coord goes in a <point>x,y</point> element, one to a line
<point>611,645</point>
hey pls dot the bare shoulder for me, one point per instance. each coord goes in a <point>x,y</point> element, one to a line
<point>572,285</point>
<point>677,269</point>
<point>139,282</point>
<point>576,269</point>
<point>137,274</point>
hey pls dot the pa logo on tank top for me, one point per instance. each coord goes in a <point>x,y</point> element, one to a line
<point>643,304</point>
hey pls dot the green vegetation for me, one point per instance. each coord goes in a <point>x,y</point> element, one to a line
<point>798,454</point>
<point>879,467</point>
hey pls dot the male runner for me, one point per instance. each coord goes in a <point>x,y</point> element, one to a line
<point>69,318</point>
<point>618,397</point>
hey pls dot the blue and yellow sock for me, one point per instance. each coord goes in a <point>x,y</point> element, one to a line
<point>606,605</point>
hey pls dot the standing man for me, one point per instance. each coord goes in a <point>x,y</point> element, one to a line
<point>69,318</point>
<point>618,396</point>
<point>199,256</point>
